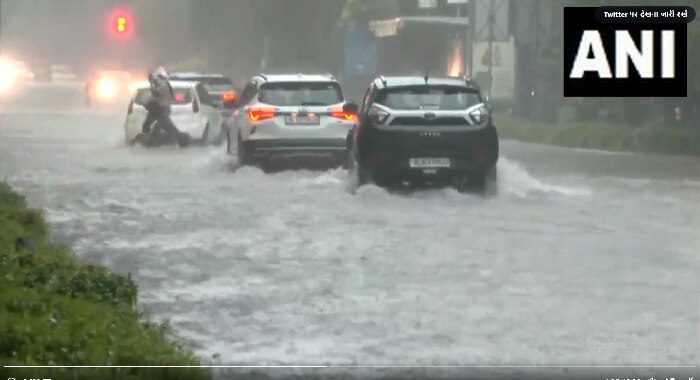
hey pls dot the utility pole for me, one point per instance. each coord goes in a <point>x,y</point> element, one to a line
<point>471,30</point>
<point>491,21</point>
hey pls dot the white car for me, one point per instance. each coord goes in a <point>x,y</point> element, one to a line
<point>290,116</point>
<point>201,122</point>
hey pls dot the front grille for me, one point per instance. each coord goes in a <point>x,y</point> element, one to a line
<point>419,121</point>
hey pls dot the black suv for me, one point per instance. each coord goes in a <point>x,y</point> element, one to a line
<point>414,130</point>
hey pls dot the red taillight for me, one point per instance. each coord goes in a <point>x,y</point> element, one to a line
<point>260,113</point>
<point>337,112</point>
<point>480,159</point>
<point>130,110</point>
<point>180,97</point>
<point>379,158</point>
<point>228,96</point>
<point>195,106</point>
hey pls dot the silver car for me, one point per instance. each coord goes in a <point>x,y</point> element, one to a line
<point>290,116</point>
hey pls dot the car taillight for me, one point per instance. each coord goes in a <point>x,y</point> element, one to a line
<point>228,96</point>
<point>480,115</point>
<point>377,116</point>
<point>195,106</point>
<point>130,110</point>
<point>337,112</point>
<point>379,158</point>
<point>260,113</point>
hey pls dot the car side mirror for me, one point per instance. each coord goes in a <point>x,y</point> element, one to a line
<point>351,108</point>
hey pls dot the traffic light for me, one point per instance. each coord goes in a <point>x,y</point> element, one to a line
<point>121,24</point>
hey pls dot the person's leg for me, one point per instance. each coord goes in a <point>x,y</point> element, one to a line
<point>150,118</point>
<point>167,124</point>
<point>153,113</point>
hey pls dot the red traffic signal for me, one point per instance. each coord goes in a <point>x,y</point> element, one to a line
<point>121,24</point>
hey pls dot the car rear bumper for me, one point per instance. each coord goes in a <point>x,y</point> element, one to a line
<point>398,171</point>
<point>470,154</point>
<point>268,148</point>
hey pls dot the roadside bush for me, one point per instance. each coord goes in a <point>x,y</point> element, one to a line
<point>55,310</point>
<point>600,135</point>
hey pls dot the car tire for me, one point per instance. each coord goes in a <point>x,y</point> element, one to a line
<point>358,175</point>
<point>205,136</point>
<point>487,182</point>
<point>243,157</point>
<point>221,137</point>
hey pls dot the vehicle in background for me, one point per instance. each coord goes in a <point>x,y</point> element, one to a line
<point>289,116</point>
<point>63,73</point>
<point>42,72</point>
<point>424,131</point>
<point>13,74</point>
<point>218,89</point>
<point>186,113</point>
<point>108,86</point>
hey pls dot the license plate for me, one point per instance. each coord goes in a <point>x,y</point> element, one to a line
<point>429,162</point>
<point>302,119</point>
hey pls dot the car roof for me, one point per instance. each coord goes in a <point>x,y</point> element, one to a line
<point>295,77</point>
<point>417,80</point>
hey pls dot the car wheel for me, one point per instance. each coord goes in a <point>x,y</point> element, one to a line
<point>243,157</point>
<point>221,137</point>
<point>487,183</point>
<point>228,142</point>
<point>358,176</point>
<point>205,136</point>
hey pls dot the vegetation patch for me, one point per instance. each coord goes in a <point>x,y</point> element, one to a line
<point>55,310</point>
<point>675,140</point>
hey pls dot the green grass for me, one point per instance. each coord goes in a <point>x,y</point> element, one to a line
<point>55,310</point>
<point>598,135</point>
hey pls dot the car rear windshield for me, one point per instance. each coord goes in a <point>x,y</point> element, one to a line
<point>218,88</point>
<point>206,80</point>
<point>300,94</point>
<point>182,96</point>
<point>428,97</point>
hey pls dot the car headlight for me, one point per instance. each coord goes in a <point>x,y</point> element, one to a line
<point>377,116</point>
<point>480,115</point>
<point>8,76</point>
<point>106,89</point>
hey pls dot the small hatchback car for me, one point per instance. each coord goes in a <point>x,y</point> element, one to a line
<point>424,131</point>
